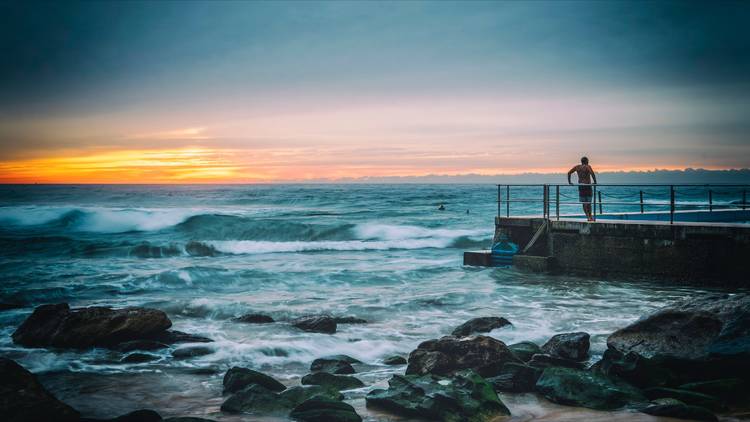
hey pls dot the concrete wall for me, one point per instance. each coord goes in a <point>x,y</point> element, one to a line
<point>710,253</point>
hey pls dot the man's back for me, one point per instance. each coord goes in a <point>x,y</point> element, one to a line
<point>584,172</point>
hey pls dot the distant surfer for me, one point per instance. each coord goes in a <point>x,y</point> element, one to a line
<point>441,207</point>
<point>585,193</point>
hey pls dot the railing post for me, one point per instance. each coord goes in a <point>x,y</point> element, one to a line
<point>557,201</point>
<point>499,200</point>
<point>507,200</point>
<point>744,198</point>
<point>710,200</point>
<point>671,204</point>
<point>593,204</point>
<point>641,202</point>
<point>545,190</point>
<point>600,202</point>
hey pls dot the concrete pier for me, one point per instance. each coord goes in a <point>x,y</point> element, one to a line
<point>713,253</point>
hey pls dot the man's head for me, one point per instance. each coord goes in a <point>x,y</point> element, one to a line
<point>584,160</point>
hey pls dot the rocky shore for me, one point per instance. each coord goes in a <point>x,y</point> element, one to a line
<point>689,361</point>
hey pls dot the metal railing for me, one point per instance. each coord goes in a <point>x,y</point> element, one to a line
<point>659,198</point>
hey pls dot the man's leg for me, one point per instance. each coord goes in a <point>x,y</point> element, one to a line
<point>587,210</point>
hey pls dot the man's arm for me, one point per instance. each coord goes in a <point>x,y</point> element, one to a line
<point>593,175</point>
<point>573,170</point>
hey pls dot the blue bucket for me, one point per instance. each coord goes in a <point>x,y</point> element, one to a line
<point>502,252</point>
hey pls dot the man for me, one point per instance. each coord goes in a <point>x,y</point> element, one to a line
<point>585,193</point>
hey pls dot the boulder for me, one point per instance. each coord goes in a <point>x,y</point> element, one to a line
<point>479,325</point>
<point>191,352</point>
<point>336,382</point>
<point>548,361</point>
<point>680,411</point>
<point>729,390</point>
<point>345,358</point>
<point>258,399</point>
<point>142,415</point>
<point>188,419</point>
<point>129,346</point>
<point>139,358</point>
<point>349,320</point>
<point>685,396</point>
<point>174,337</point>
<point>316,324</point>
<point>254,319</point>
<point>640,371</point>
<point>516,378</point>
<point>573,387</point>
<point>96,326</point>
<point>465,396</point>
<point>24,399</point>
<point>333,366</point>
<point>238,378</point>
<point>323,409</point>
<point>395,360</point>
<point>525,350</point>
<point>571,346</point>
<point>444,356</point>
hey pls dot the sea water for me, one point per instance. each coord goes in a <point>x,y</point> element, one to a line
<point>207,254</point>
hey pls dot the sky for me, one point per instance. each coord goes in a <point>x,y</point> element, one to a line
<point>243,92</point>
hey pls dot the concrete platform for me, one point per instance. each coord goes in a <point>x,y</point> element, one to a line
<point>478,258</point>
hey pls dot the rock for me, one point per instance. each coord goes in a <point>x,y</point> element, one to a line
<point>322,409</point>
<point>444,356</point>
<point>316,324</point>
<point>333,366</point>
<point>395,360</point>
<point>573,387</point>
<point>344,358</point>
<point>479,325</point>
<point>238,378</point>
<point>525,350</point>
<point>254,319</point>
<point>680,411</point>
<point>24,399</point>
<point>129,346</point>
<point>258,399</point>
<point>191,352</point>
<point>637,370</point>
<point>571,346</point>
<point>689,329</point>
<point>349,320</point>
<point>685,396</point>
<point>143,415</point>
<point>465,397</point>
<point>139,358</point>
<point>546,361</point>
<point>337,382</point>
<point>60,326</point>
<point>188,419</point>
<point>194,248</point>
<point>516,378</point>
<point>174,336</point>
<point>728,389</point>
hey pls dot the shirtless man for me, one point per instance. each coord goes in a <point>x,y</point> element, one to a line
<point>585,193</point>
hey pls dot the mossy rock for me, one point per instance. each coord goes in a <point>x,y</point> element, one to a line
<point>573,387</point>
<point>238,378</point>
<point>525,350</point>
<point>324,409</point>
<point>337,382</point>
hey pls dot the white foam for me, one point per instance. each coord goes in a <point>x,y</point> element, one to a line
<point>261,247</point>
<point>402,232</point>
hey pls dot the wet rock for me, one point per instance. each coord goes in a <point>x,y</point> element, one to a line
<point>174,337</point>
<point>444,356</point>
<point>60,326</point>
<point>395,360</point>
<point>571,346</point>
<point>333,366</point>
<point>316,324</point>
<point>322,409</point>
<point>685,396</point>
<point>525,350</point>
<point>188,419</point>
<point>139,358</point>
<point>129,346</point>
<point>637,370</point>
<point>344,358</point>
<point>680,411</point>
<point>465,396</point>
<point>479,325</point>
<point>254,319</point>
<point>191,352</point>
<point>24,399</point>
<point>258,399</point>
<point>547,361</point>
<point>194,248</point>
<point>238,378</point>
<point>690,329</point>
<point>349,320</point>
<point>573,387</point>
<point>516,378</point>
<point>730,390</point>
<point>143,415</point>
<point>336,382</point>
